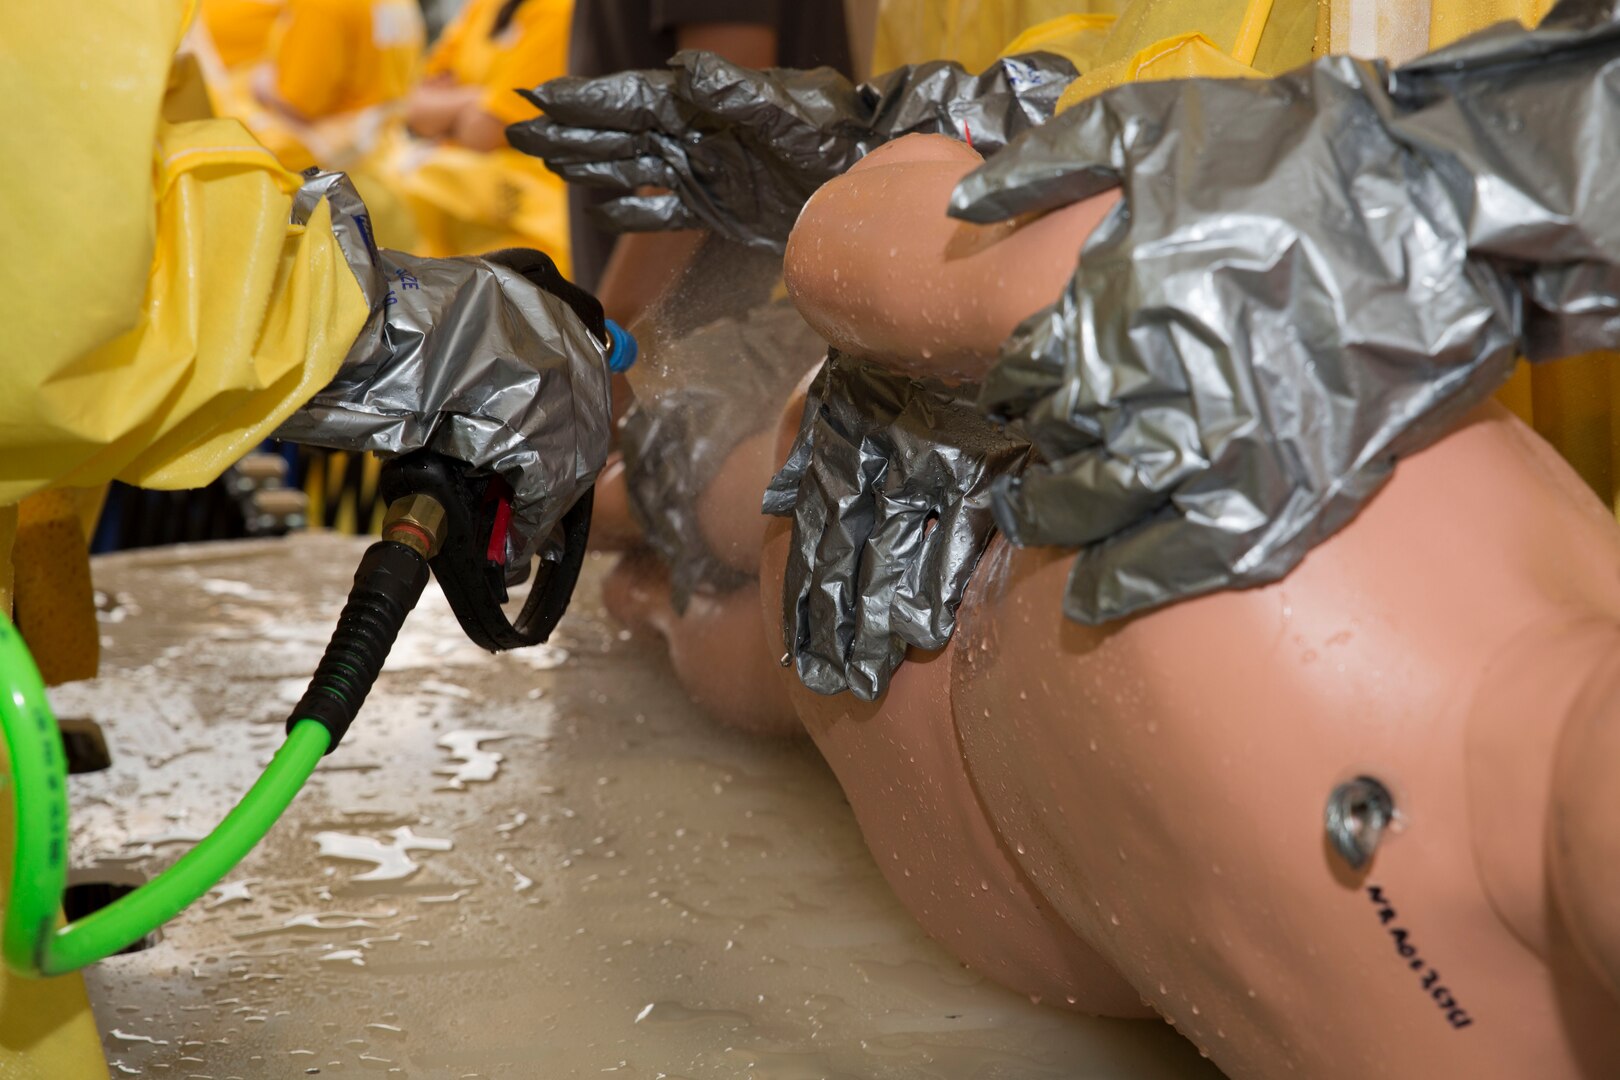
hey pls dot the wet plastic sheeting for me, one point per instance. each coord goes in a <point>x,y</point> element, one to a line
<point>543,864</point>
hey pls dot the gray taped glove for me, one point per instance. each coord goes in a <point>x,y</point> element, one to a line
<point>1305,279</point>
<point>740,150</point>
<point>467,357</point>
<point>697,398</point>
<point>889,487</point>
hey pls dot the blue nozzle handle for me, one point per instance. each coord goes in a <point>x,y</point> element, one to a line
<point>622,354</point>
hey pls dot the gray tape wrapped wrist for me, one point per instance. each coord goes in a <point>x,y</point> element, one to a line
<point>888,485</point>
<point>740,150</point>
<point>1306,278</point>
<point>470,359</point>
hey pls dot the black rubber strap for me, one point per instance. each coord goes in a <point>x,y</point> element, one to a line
<point>475,585</point>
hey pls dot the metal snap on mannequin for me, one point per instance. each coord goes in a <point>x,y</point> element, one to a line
<point>1358,812</point>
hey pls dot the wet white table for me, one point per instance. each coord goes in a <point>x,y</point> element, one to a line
<point>544,864</point>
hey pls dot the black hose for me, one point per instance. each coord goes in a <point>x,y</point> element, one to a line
<point>387,585</point>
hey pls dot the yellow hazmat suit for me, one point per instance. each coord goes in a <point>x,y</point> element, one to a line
<point>331,57</point>
<point>335,66</point>
<point>466,202</point>
<point>240,29</point>
<point>161,315</point>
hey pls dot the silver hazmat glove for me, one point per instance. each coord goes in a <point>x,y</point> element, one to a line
<point>1305,279</point>
<point>471,358</point>
<point>740,150</point>
<point>888,485</point>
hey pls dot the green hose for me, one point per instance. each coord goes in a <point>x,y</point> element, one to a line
<point>33,945</point>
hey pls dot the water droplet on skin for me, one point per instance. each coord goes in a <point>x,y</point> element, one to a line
<point>1114,919</point>
<point>1163,989</point>
<point>1093,746</point>
<point>1020,849</point>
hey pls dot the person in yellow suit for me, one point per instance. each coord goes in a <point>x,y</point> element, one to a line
<point>316,81</point>
<point>239,30</point>
<point>330,73</point>
<point>467,190</point>
<point>172,295</point>
<point>329,57</point>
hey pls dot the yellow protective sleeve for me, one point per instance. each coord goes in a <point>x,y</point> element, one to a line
<point>234,319</point>
<point>162,315</point>
<point>81,89</point>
